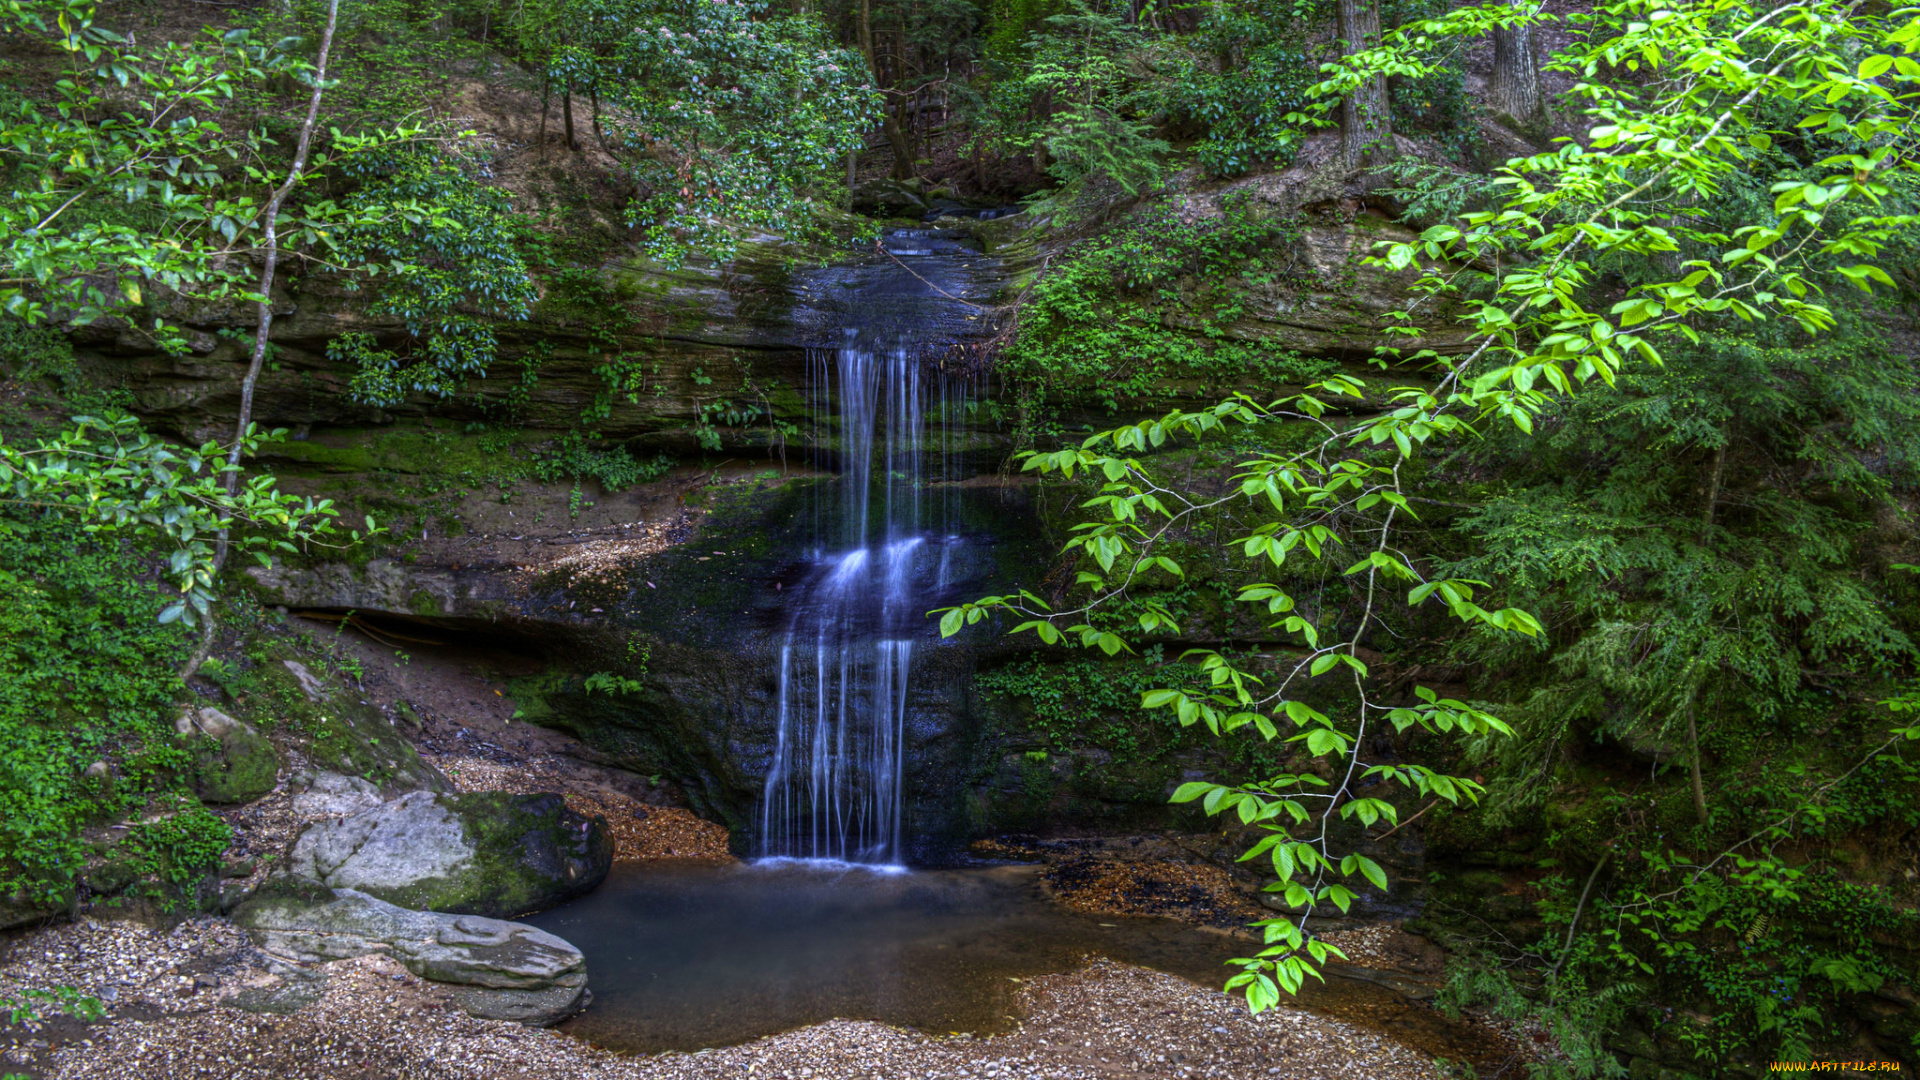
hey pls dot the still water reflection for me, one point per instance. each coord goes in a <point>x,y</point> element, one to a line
<point>684,956</point>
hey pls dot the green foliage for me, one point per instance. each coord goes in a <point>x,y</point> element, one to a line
<point>126,190</point>
<point>721,114</point>
<point>1575,1021</point>
<point>1665,606</point>
<point>110,478</point>
<point>1099,90</point>
<point>86,675</point>
<point>1735,608</point>
<point>612,685</point>
<point>33,1007</point>
<point>1240,78</point>
<point>453,269</point>
<point>574,457</point>
<point>1082,701</point>
<point>1314,503</point>
<point>117,160</point>
<point>182,849</point>
<point>1772,949</point>
<point>1009,24</point>
<point>1079,703</point>
<point>1147,301</point>
<point>392,58</point>
<point>1077,73</point>
<point>639,653</point>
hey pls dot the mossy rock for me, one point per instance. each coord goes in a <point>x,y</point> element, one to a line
<point>239,767</point>
<point>478,853</point>
<point>21,909</point>
<point>110,877</point>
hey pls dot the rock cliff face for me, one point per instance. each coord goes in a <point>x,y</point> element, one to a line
<point>694,621</point>
<point>687,338</point>
<point>683,338</point>
<point>710,615</point>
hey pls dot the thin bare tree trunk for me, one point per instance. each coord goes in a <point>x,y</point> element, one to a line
<point>1516,87</point>
<point>1693,727</point>
<point>566,113</point>
<point>865,31</point>
<point>546,106</point>
<point>270,246</point>
<point>263,327</point>
<point>1693,752</point>
<point>889,123</point>
<point>1366,128</point>
<point>1714,483</point>
<point>1045,111</point>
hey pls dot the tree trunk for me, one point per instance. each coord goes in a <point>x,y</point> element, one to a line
<point>1693,752</point>
<point>865,31</point>
<point>1366,129</point>
<point>1516,88</point>
<point>566,112</point>
<point>1693,727</point>
<point>263,325</point>
<point>1045,113</point>
<point>889,119</point>
<point>1714,483</point>
<point>897,140</point>
<point>546,105</point>
<point>270,247</point>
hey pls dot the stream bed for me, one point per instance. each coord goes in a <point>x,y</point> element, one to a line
<point>685,956</point>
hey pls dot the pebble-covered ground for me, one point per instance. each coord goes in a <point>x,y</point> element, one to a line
<point>599,556</point>
<point>1194,892</point>
<point>640,831</point>
<point>1130,876</point>
<point>171,997</point>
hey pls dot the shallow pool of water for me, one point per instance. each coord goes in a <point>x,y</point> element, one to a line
<point>687,956</point>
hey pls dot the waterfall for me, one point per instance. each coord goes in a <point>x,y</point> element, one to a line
<point>833,790</point>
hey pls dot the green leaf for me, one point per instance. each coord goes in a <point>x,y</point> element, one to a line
<point>1192,790</point>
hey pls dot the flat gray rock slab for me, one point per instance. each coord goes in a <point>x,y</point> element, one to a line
<point>500,970</point>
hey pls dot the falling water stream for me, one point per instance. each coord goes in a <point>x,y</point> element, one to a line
<point>833,790</point>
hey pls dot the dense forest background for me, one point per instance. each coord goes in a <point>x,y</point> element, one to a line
<point>1624,440</point>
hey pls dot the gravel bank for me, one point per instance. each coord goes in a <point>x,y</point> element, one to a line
<point>171,999</point>
<point>640,831</point>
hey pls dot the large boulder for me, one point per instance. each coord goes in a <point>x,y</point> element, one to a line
<point>890,198</point>
<point>478,853</point>
<point>497,970</point>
